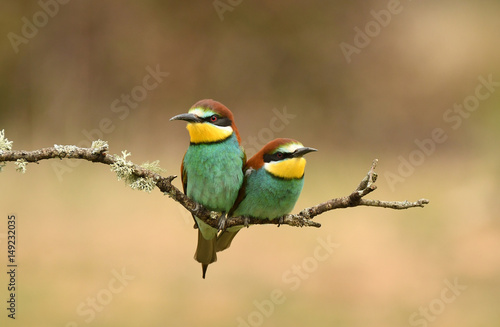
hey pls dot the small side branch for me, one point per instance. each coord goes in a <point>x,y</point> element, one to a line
<point>304,218</point>
<point>398,205</point>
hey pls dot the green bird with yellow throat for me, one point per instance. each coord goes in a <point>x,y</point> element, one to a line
<point>274,178</point>
<point>212,168</point>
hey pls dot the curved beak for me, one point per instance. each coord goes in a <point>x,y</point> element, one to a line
<point>190,118</point>
<point>302,151</point>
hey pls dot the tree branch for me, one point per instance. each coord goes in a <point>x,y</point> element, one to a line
<point>146,176</point>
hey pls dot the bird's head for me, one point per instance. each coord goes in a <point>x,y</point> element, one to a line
<point>209,121</point>
<point>282,158</point>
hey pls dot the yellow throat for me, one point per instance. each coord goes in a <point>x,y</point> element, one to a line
<point>208,133</point>
<point>290,168</point>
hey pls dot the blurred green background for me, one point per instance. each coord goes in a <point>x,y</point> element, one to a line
<point>78,73</point>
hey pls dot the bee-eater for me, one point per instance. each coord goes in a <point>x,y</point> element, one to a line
<point>274,178</point>
<point>212,168</point>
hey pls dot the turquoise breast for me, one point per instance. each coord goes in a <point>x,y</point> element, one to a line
<point>214,173</point>
<point>268,196</point>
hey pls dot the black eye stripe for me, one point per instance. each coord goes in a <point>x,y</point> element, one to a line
<point>277,156</point>
<point>221,121</point>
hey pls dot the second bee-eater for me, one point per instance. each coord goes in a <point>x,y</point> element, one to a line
<point>274,178</point>
<point>212,168</point>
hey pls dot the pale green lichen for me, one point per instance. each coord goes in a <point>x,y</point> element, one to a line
<point>143,184</point>
<point>5,144</point>
<point>21,165</point>
<point>65,149</point>
<point>154,166</point>
<point>124,169</point>
<point>98,145</point>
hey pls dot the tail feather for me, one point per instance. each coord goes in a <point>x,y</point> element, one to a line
<point>205,252</point>
<point>224,240</point>
<point>204,268</point>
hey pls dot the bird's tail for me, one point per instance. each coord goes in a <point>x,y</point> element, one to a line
<point>225,238</point>
<point>205,252</point>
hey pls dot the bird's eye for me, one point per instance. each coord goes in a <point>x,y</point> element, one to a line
<point>279,155</point>
<point>214,118</point>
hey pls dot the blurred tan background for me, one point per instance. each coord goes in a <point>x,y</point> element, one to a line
<point>78,73</point>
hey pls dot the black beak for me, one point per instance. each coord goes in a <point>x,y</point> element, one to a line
<point>191,118</point>
<point>301,151</point>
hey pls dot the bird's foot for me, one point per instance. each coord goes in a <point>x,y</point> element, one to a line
<point>246,222</point>
<point>222,221</point>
